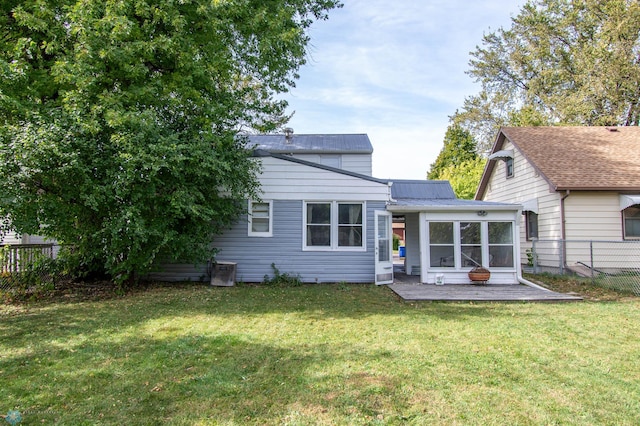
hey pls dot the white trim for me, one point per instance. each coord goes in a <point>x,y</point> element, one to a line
<point>383,268</point>
<point>334,227</point>
<point>457,245</point>
<point>250,230</point>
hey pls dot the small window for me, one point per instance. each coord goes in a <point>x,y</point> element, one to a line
<point>531,225</point>
<point>331,160</point>
<point>508,164</point>
<point>260,219</point>
<point>631,220</point>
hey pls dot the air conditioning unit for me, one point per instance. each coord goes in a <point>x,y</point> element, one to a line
<point>224,274</point>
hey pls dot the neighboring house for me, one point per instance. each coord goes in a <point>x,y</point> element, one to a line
<point>13,238</point>
<point>574,184</point>
<point>324,218</point>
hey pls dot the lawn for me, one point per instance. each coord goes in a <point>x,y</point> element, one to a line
<point>317,354</point>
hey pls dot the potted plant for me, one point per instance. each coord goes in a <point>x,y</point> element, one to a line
<point>479,275</point>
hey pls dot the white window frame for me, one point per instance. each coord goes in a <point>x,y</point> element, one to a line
<point>250,230</point>
<point>485,246</point>
<point>334,227</point>
<point>624,224</point>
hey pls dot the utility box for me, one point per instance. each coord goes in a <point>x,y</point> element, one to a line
<point>224,274</point>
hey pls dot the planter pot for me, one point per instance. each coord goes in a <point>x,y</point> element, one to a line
<point>479,275</point>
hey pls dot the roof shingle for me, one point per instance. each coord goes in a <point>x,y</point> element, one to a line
<point>581,158</point>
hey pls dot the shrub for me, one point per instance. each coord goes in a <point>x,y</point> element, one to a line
<point>396,242</point>
<point>281,279</point>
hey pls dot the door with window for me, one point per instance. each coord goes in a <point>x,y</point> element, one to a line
<point>383,248</point>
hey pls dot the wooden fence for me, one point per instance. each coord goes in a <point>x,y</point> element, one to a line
<point>16,257</point>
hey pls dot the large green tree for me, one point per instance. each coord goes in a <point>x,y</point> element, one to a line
<point>458,162</point>
<point>118,119</point>
<point>561,62</point>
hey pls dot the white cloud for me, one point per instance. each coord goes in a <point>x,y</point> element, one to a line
<point>396,71</point>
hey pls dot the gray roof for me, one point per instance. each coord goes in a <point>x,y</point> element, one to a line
<point>312,144</point>
<point>422,189</point>
<point>456,202</point>
<point>435,195</point>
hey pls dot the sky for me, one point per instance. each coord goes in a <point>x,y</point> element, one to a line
<point>394,70</point>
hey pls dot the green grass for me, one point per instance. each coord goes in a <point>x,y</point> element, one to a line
<point>318,354</point>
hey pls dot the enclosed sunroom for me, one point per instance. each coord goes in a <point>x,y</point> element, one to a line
<point>447,237</point>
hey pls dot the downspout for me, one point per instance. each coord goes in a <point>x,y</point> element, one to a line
<point>521,279</point>
<point>519,276</point>
<point>524,281</point>
<point>563,230</point>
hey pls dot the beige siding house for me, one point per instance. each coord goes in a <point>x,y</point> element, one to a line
<point>577,184</point>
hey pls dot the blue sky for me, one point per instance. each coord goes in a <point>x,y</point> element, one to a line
<point>395,71</point>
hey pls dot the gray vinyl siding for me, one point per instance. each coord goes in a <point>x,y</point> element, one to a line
<point>254,255</point>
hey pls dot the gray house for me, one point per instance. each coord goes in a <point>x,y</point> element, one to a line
<point>324,217</point>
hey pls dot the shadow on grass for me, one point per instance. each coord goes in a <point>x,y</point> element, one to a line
<point>319,301</point>
<point>186,379</point>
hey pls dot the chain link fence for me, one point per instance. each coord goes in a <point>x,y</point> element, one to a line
<point>610,264</point>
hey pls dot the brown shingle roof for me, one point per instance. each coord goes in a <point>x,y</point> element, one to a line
<point>581,158</point>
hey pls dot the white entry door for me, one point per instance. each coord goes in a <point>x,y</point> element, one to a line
<point>384,248</point>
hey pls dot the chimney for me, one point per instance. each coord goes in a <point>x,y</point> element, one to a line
<point>288,134</point>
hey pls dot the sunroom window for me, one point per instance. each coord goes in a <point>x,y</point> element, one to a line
<point>441,245</point>
<point>470,243</point>
<point>463,245</point>
<point>501,244</point>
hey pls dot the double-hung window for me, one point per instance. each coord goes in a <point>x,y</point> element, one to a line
<point>260,219</point>
<point>334,225</point>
